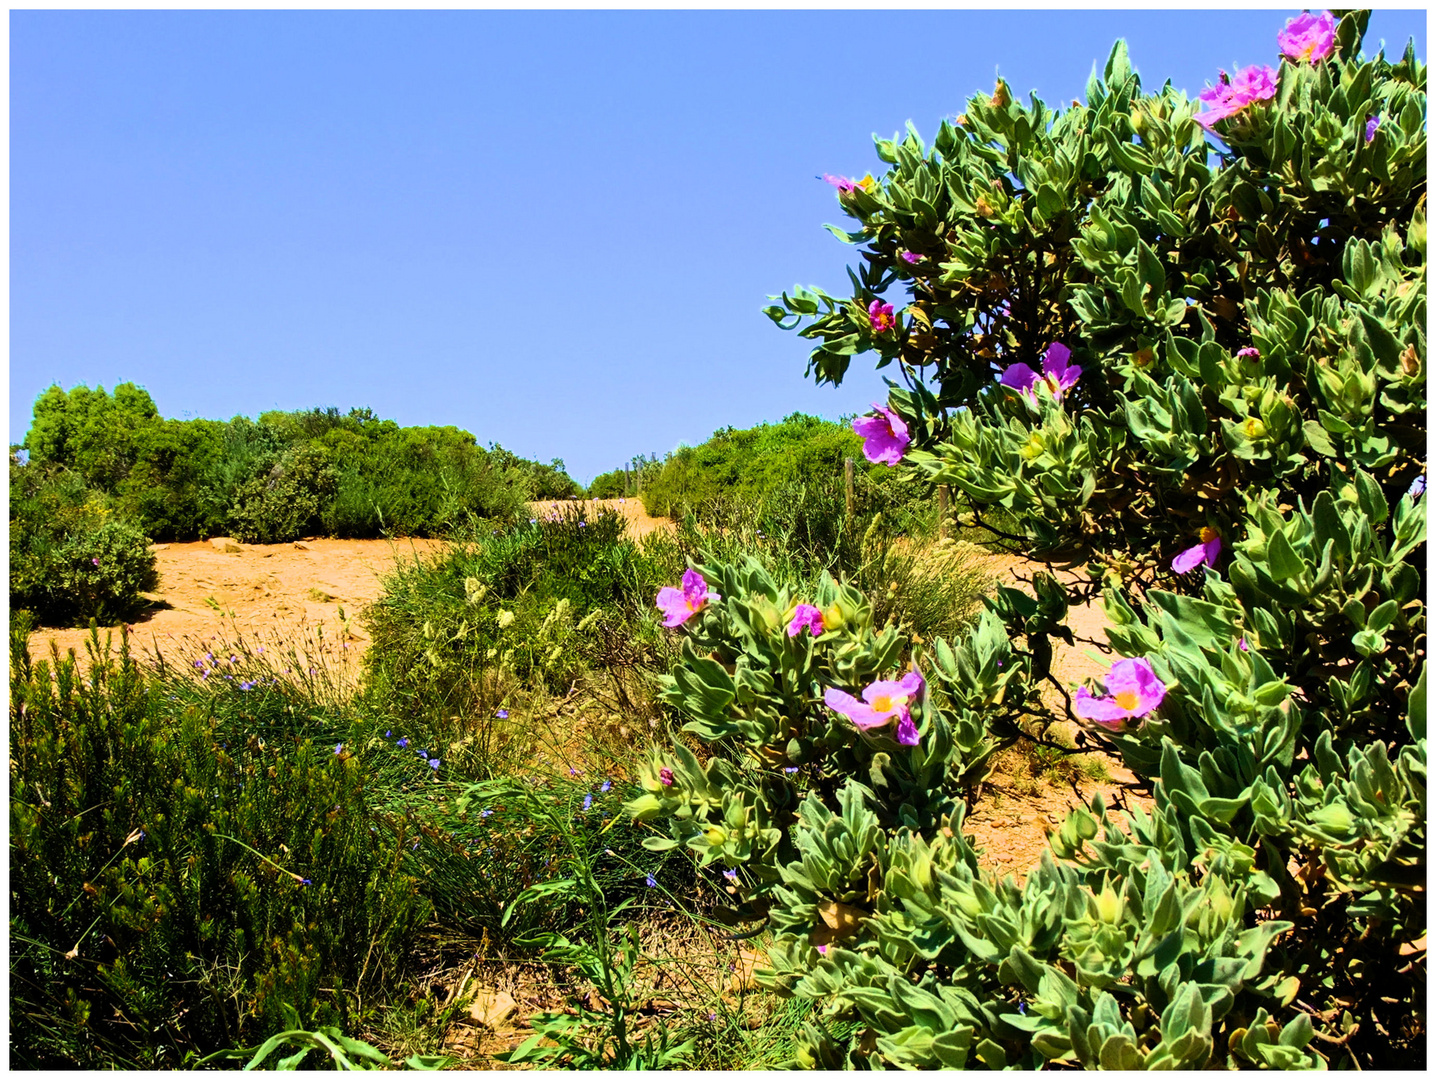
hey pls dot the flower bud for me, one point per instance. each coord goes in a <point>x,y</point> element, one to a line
<point>1109,906</point>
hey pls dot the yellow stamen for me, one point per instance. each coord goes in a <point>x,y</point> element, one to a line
<point>1208,534</point>
<point>883,703</point>
<point>1126,700</point>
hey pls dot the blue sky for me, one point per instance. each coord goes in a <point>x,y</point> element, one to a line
<point>553,229</point>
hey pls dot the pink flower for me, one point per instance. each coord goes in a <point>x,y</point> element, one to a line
<point>1057,373</point>
<point>883,702</point>
<point>1308,37</point>
<point>1243,646</point>
<point>1372,123</point>
<point>1230,96</point>
<point>880,315</point>
<point>822,950</point>
<point>1205,552</point>
<point>1254,354</point>
<point>680,606</point>
<point>885,436</point>
<point>842,183</point>
<point>665,776</point>
<point>1133,691</point>
<point>809,616</point>
<point>912,257</point>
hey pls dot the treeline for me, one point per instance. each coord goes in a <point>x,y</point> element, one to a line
<point>285,475</point>
<point>99,476</point>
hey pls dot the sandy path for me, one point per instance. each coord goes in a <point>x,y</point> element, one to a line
<point>639,523</point>
<point>266,592</point>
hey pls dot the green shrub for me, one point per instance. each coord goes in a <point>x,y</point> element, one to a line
<point>609,485</point>
<point>1249,327</point>
<point>70,560</point>
<point>178,882</point>
<point>286,503</point>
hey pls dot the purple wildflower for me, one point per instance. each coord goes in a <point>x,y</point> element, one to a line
<point>885,437</point>
<point>1133,691</point>
<point>607,785</point>
<point>680,605</point>
<point>1057,374</point>
<point>1308,38</point>
<point>912,257</point>
<point>883,702</point>
<point>434,764</point>
<point>652,881</point>
<point>587,801</point>
<point>809,616</point>
<point>1230,96</point>
<point>1372,123</point>
<point>502,714</point>
<point>665,776</point>
<point>1204,552</point>
<point>1242,644</point>
<point>402,743</point>
<point>338,748</point>
<point>880,317</point>
<point>95,561</point>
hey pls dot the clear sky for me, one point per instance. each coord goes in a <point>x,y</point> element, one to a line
<point>553,229</point>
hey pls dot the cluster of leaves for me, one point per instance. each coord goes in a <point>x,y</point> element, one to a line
<point>1269,910</point>
<point>283,476</point>
<point>179,884</point>
<point>71,560</point>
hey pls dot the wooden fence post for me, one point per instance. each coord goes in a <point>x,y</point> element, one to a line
<point>848,487</point>
<point>942,511</point>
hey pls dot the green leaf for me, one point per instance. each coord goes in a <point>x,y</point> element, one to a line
<point>1416,707</point>
<point>1282,560</point>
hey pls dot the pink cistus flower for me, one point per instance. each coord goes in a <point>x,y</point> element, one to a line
<point>1231,96</point>
<point>912,257</point>
<point>1372,123</point>
<point>1308,37</point>
<point>1057,373</point>
<point>880,316</point>
<point>1204,552</point>
<point>809,616</point>
<point>885,437</point>
<point>1133,691</point>
<point>1249,353</point>
<point>842,183</point>
<point>680,605</point>
<point>883,702</point>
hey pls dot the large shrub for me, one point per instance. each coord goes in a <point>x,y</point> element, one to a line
<point>71,558</point>
<point>1248,317</point>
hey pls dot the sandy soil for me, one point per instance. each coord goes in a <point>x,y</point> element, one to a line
<point>639,523</point>
<point>264,592</point>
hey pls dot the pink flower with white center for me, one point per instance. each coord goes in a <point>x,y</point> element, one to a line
<point>1057,374</point>
<point>881,317</point>
<point>1231,96</point>
<point>809,616</point>
<point>882,704</point>
<point>678,606</point>
<point>1205,552</point>
<point>885,437</point>
<point>1308,38</point>
<point>1133,691</point>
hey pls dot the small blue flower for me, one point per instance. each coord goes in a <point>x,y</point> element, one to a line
<point>791,769</point>
<point>305,881</point>
<point>587,801</point>
<point>338,748</point>
<point>434,764</point>
<point>607,785</point>
<point>402,743</point>
<point>486,813</point>
<point>731,875</point>
<point>652,881</point>
<point>388,734</point>
<point>502,714</point>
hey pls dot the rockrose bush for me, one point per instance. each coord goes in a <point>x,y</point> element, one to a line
<point>1181,343</point>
